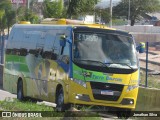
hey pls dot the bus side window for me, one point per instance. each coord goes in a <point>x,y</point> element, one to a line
<point>8,51</point>
<point>65,55</point>
<point>15,51</point>
<point>23,52</point>
<point>49,55</point>
<point>33,51</point>
<point>54,56</point>
<point>56,49</point>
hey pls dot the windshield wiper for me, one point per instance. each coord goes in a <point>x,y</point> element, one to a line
<point>121,64</point>
<point>93,61</point>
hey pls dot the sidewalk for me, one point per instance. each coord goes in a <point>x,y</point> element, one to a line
<point>6,95</point>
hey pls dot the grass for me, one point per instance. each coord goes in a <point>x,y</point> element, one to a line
<point>15,105</point>
<point>118,22</point>
<point>153,80</point>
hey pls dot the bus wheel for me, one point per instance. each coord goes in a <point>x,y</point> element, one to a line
<point>60,101</point>
<point>20,91</point>
<point>123,113</point>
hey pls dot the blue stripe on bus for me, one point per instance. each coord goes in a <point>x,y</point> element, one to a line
<point>71,63</point>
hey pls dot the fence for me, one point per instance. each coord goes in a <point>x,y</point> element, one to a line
<point>150,65</point>
<point>140,29</point>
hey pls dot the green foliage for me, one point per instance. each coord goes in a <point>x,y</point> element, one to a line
<point>30,16</point>
<point>137,8</point>
<point>5,4</point>
<point>21,13</point>
<point>104,14</point>
<point>118,22</point>
<point>15,105</point>
<point>153,80</point>
<point>24,14</point>
<point>7,15</point>
<point>10,16</point>
<point>81,7</point>
<point>53,9</point>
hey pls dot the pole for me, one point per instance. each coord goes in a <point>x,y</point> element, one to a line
<point>2,48</point>
<point>94,14</point>
<point>100,21</point>
<point>28,4</point>
<point>129,12</point>
<point>110,13</point>
<point>146,82</point>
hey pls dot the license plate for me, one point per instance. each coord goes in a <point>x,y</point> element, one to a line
<point>106,92</point>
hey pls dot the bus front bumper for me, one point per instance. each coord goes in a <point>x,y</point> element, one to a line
<point>81,95</point>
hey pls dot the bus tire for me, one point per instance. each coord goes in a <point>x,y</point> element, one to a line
<point>20,95</point>
<point>61,107</point>
<point>123,113</point>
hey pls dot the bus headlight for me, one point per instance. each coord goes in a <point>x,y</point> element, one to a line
<point>131,87</point>
<point>80,82</point>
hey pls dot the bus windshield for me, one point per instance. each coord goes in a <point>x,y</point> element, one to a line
<point>113,50</point>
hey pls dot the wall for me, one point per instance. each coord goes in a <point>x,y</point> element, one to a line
<point>142,33</point>
<point>148,99</point>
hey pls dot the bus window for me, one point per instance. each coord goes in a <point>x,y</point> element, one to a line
<point>65,56</point>
<point>33,51</point>
<point>23,52</point>
<point>56,46</point>
<point>49,55</point>
<point>15,51</point>
<point>8,51</point>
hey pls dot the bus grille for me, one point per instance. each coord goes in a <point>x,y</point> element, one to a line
<point>106,91</point>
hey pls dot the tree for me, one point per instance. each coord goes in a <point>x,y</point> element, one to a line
<point>36,6</point>
<point>80,7</point>
<point>7,15</point>
<point>137,8</point>
<point>103,14</point>
<point>25,14</point>
<point>10,18</point>
<point>53,9</point>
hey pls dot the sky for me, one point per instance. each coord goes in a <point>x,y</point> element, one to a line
<point>106,3</point>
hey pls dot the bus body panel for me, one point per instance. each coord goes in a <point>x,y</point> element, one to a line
<point>29,56</point>
<point>22,60</point>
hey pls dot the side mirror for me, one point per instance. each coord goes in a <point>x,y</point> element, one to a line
<point>141,47</point>
<point>63,40</point>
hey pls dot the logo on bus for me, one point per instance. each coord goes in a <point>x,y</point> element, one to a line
<point>114,79</point>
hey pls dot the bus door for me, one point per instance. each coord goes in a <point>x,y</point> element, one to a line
<point>63,65</point>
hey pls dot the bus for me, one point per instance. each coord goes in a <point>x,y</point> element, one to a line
<point>72,64</point>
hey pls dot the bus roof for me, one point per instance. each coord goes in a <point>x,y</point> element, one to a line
<point>94,27</point>
<point>61,26</point>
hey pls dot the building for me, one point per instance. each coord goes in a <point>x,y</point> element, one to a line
<point>18,3</point>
